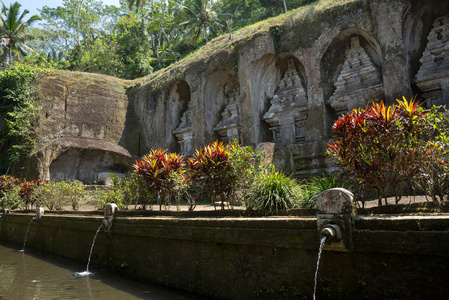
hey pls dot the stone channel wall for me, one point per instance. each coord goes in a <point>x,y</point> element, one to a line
<point>251,258</point>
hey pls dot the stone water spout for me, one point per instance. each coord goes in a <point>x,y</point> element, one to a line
<point>332,233</point>
<point>110,211</point>
<point>4,213</point>
<point>335,219</point>
<point>40,213</point>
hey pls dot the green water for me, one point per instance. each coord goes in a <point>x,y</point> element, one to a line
<point>33,275</point>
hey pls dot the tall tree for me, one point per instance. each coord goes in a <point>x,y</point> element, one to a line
<point>205,18</point>
<point>137,4</point>
<point>13,29</point>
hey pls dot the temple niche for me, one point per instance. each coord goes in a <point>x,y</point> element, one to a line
<point>184,133</point>
<point>359,81</point>
<point>433,75</point>
<point>289,109</point>
<point>229,126</point>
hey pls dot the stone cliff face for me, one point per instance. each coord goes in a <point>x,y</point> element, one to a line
<point>86,127</point>
<point>285,86</point>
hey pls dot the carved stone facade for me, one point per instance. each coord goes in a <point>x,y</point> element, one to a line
<point>289,109</point>
<point>229,126</point>
<point>184,133</point>
<point>359,82</point>
<point>433,75</point>
<point>286,92</point>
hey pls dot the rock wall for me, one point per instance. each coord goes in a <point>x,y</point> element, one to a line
<point>87,127</point>
<point>285,80</point>
<point>290,87</point>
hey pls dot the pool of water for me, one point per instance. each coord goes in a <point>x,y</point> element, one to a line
<point>34,275</point>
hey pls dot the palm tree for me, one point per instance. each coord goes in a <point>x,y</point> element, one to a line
<point>136,4</point>
<point>13,29</point>
<point>204,19</point>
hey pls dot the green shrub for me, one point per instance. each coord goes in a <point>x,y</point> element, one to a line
<point>133,190</point>
<point>7,183</point>
<point>245,166</point>
<point>11,199</point>
<point>316,185</point>
<point>98,198</point>
<point>27,189</point>
<point>19,112</point>
<point>56,194</point>
<point>272,191</point>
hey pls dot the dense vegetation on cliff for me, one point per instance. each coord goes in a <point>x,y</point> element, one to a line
<point>129,41</point>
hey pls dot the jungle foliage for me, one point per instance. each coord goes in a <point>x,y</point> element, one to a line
<point>129,41</point>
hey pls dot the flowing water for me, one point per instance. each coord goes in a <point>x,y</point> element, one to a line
<point>26,234</point>
<point>87,273</point>
<point>323,240</point>
<point>35,275</point>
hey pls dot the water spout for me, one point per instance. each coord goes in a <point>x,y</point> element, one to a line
<point>40,213</point>
<point>4,214</point>
<point>332,232</point>
<point>110,211</point>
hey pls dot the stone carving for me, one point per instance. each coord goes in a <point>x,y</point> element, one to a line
<point>289,109</point>
<point>433,75</point>
<point>359,82</point>
<point>184,133</point>
<point>228,127</point>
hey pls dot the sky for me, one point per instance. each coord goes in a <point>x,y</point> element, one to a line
<point>33,5</point>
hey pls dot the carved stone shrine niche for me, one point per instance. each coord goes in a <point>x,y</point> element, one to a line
<point>289,109</point>
<point>359,82</point>
<point>229,126</point>
<point>184,133</point>
<point>433,75</point>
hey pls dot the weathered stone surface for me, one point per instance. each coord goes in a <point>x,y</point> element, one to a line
<point>433,76</point>
<point>229,126</point>
<point>359,82</point>
<point>289,107</point>
<point>86,127</point>
<point>329,61</point>
<point>231,258</point>
<point>267,150</point>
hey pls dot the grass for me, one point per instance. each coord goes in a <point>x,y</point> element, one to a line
<point>228,47</point>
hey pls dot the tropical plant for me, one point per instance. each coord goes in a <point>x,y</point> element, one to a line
<point>27,191</point>
<point>245,165</point>
<point>433,175</point>
<point>212,173</point>
<point>19,111</point>
<point>158,168</point>
<point>205,19</point>
<point>11,199</point>
<point>13,30</point>
<point>7,183</point>
<point>316,185</point>
<point>57,194</point>
<point>132,190</point>
<point>272,191</point>
<point>136,4</point>
<point>385,146</point>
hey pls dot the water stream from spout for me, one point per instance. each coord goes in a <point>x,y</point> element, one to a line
<point>87,273</point>
<point>323,240</point>
<point>26,234</point>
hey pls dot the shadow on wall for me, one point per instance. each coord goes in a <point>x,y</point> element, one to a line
<point>88,165</point>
